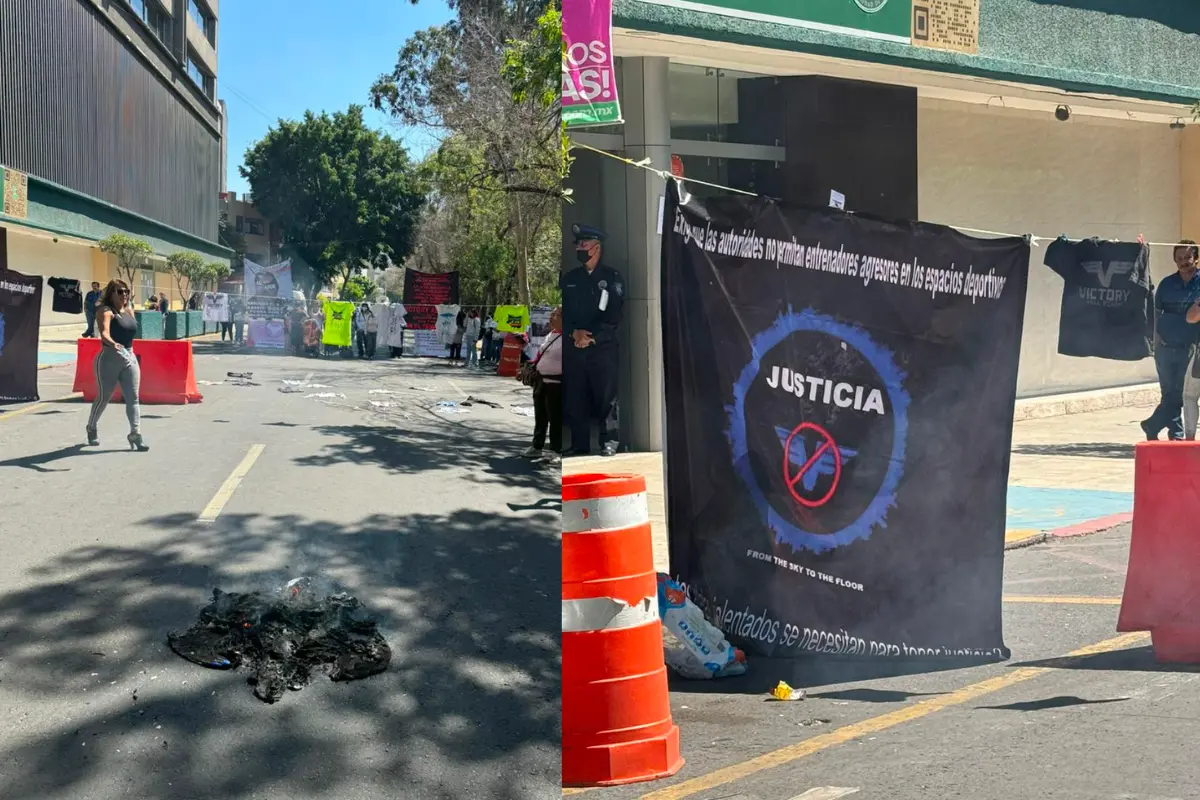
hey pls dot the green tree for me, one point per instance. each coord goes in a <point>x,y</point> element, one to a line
<point>359,288</point>
<point>186,269</point>
<point>478,83</point>
<point>341,192</point>
<point>214,273</point>
<point>131,253</point>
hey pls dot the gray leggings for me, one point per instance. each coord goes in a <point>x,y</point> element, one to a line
<point>113,368</point>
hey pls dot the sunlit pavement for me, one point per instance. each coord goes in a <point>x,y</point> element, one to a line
<point>430,518</point>
<point>1105,722</point>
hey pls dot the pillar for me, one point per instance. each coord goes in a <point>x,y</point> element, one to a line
<point>1189,183</point>
<point>645,106</point>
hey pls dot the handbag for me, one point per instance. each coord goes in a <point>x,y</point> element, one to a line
<point>529,374</point>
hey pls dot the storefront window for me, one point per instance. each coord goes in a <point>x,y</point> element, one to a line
<point>720,105</point>
<point>760,177</point>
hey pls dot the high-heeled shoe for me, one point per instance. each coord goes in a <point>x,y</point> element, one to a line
<point>92,438</point>
<point>136,443</point>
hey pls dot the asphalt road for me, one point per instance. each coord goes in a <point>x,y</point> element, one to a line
<point>1107,722</point>
<point>429,518</point>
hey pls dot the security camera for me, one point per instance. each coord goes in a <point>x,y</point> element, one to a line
<point>1062,113</point>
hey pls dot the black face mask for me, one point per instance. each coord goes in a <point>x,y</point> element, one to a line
<point>583,255</point>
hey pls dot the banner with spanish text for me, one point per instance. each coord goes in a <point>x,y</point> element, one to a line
<point>840,395</point>
<point>589,77</point>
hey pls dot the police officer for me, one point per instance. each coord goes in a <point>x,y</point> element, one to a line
<point>592,296</point>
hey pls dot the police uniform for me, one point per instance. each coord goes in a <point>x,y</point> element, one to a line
<point>590,373</point>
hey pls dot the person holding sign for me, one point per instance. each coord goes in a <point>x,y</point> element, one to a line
<point>592,295</point>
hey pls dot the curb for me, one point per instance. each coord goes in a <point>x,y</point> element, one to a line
<point>1137,395</point>
<point>1098,525</point>
<point>1092,526</point>
<point>1028,541</point>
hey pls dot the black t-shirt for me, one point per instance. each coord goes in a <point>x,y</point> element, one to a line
<point>67,299</point>
<point>1107,301</point>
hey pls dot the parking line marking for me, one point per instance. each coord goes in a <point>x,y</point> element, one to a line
<point>786,755</point>
<point>827,793</point>
<point>1067,600</point>
<point>223,495</point>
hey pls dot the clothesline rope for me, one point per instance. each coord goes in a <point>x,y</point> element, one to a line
<point>647,164</point>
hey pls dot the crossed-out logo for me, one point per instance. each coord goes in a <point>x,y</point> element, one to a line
<point>818,430</point>
<point>337,315</point>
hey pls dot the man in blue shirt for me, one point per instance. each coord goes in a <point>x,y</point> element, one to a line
<point>89,310</point>
<point>1174,340</point>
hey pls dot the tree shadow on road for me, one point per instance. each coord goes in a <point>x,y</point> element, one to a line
<point>469,707</point>
<point>486,457</point>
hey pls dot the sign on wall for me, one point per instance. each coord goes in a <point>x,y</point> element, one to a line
<point>16,194</point>
<point>589,79</point>
<point>946,25</point>
<point>887,20</point>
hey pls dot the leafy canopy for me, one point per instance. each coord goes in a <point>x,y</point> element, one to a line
<point>341,192</point>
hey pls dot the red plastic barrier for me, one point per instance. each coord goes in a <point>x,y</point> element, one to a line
<point>168,372</point>
<point>510,357</point>
<point>1162,581</point>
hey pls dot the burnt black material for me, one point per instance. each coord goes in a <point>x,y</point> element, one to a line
<point>282,640</point>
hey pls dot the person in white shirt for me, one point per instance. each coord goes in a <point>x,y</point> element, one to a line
<point>547,394</point>
<point>471,331</point>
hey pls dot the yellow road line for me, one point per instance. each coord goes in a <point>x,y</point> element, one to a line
<point>808,747</point>
<point>223,495</point>
<point>1020,535</point>
<point>10,414</point>
<point>1063,599</point>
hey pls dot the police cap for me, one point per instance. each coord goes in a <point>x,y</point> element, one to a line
<point>587,233</point>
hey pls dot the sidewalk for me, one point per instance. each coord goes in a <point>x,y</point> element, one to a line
<point>1066,472</point>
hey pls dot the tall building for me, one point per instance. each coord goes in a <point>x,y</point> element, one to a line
<point>1000,115</point>
<point>263,239</point>
<point>108,123</point>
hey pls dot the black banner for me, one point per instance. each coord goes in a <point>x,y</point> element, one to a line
<point>20,316</point>
<point>840,396</point>
<point>420,317</point>
<point>426,288</point>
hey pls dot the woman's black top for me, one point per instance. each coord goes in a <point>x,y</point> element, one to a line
<point>123,328</point>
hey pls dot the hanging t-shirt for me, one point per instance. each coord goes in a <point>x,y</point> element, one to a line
<point>394,336</point>
<point>447,323</point>
<point>216,307</point>
<point>67,297</point>
<point>339,321</point>
<point>1108,298</point>
<point>512,319</point>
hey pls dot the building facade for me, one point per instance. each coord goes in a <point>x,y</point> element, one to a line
<point>945,111</point>
<point>263,239</point>
<point>128,139</point>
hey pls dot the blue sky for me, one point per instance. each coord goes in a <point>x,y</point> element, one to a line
<point>279,58</point>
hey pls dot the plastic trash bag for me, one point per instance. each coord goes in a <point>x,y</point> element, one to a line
<point>703,651</point>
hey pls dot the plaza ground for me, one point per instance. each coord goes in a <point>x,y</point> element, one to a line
<point>431,519</point>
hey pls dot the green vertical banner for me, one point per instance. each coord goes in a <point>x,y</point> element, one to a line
<point>589,79</point>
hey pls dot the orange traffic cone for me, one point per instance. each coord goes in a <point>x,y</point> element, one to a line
<point>616,713</point>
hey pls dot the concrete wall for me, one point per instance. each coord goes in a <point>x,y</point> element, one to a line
<point>34,255</point>
<point>1012,171</point>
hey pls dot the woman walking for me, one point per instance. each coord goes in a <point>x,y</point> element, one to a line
<point>115,364</point>
<point>544,374</point>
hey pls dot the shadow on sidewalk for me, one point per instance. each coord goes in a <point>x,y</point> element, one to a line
<point>1081,450</point>
<point>469,707</point>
